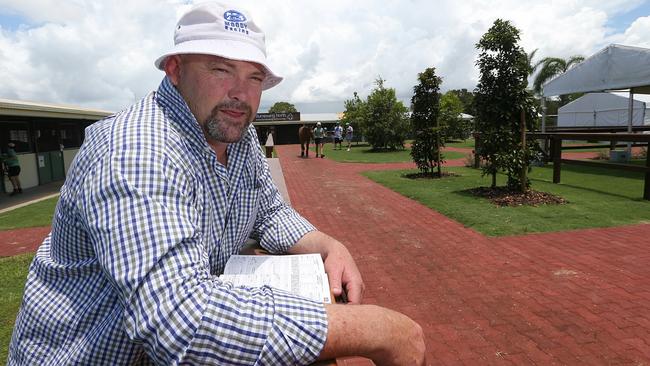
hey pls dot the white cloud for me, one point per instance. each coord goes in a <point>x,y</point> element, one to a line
<point>100,53</point>
<point>636,34</point>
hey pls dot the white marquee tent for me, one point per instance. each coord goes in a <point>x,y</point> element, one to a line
<point>600,110</point>
<point>615,67</point>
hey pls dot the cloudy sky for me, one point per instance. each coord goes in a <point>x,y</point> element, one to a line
<point>99,53</point>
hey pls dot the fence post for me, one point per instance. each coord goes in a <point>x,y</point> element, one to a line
<point>269,145</point>
<point>646,183</point>
<point>556,150</point>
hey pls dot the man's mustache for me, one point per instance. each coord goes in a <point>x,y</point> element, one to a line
<point>233,105</point>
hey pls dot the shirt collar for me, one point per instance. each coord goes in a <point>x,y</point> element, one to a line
<point>180,116</point>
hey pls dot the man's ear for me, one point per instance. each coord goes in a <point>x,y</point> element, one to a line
<point>173,68</point>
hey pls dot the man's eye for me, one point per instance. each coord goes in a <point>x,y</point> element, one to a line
<point>257,79</point>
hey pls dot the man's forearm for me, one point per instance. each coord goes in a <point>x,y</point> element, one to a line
<point>313,242</point>
<point>385,336</point>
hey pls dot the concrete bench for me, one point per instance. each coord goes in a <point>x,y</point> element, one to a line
<point>278,178</point>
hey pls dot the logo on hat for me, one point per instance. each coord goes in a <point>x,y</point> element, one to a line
<point>235,21</point>
<point>234,16</point>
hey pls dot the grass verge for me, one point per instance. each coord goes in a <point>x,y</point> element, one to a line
<point>13,271</point>
<point>36,214</point>
<point>597,198</point>
<point>364,154</point>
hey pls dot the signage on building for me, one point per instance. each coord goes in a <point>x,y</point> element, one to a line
<point>293,116</point>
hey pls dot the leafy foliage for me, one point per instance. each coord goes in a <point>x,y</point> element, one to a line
<point>282,107</point>
<point>550,67</point>
<point>427,132</point>
<point>466,98</point>
<point>456,128</point>
<point>355,114</point>
<point>385,123</point>
<point>501,101</point>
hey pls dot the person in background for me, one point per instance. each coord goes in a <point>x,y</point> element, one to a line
<point>349,131</point>
<point>338,136</point>
<point>319,139</point>
<point>13,168</point>
<point>158,198</point>
<point>305,135</point>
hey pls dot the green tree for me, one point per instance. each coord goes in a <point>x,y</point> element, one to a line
<point>355,113</point>
<point>466,98</point>
<point>550,67</point>
<point>283,107</point>
<point>386,122</point>
<point>427,133</point>
<point>504,107</point>
<point>455,127</point>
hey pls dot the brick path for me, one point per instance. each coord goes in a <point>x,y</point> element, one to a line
<point>576,298</point>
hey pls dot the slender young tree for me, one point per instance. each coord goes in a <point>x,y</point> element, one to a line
<point>504,107</point>
<point>428,139</point>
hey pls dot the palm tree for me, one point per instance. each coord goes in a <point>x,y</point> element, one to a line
<point>529,58</point>
<point>551,67</point>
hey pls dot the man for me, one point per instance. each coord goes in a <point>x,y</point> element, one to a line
<point>338,136</point>
<point>13,169</point>
<point>304,136</point>
<point>349,131</point>
<point>319,139</point>
<point>158,198</point>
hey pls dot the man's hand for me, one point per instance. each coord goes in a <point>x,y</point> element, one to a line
<point>340,267</point>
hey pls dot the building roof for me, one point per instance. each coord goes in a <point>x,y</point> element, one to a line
<point>30,109</point>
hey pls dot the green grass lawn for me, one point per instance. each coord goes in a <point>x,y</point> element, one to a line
<point>364,154</point>
<point>13,271</point>
<point>36,214</point>
<point>597,198</point>
<point>467,144</point>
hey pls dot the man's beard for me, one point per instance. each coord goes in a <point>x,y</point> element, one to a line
<point>223,128</point>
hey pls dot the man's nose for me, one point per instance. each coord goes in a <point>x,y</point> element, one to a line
<point>238,89</point>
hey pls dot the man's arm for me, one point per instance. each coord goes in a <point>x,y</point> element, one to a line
<point>383,335</point>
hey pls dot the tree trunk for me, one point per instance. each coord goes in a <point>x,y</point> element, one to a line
<point>438,154</point>
<point>524,167</point>
<point>494,180</point>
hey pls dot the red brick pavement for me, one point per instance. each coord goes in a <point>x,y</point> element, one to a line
<point>577,298</point>
<point>19,241</point>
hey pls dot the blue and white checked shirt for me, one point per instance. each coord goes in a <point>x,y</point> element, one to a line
<point>146,222</point>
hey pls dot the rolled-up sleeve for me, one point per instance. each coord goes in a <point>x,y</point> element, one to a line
<point>143,224</point>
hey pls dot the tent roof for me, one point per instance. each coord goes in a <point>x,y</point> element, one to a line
<point>599,102</point>
<point>614,67</point>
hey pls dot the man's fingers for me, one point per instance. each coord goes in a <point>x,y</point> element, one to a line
<point>354,292</point>
<point>334,276</point>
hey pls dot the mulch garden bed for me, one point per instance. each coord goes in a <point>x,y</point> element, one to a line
<point>428,176</point>
<point>502,196</point>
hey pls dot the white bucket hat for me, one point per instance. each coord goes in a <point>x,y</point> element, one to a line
<point>221,30</point>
